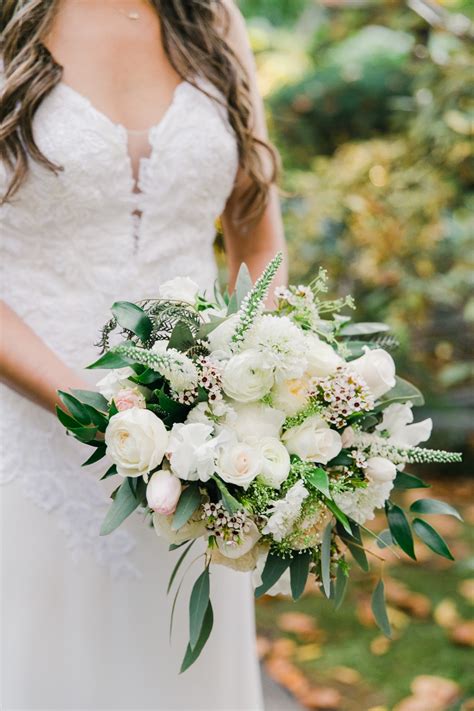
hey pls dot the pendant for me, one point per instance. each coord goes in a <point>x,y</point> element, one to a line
<point>133,16</point>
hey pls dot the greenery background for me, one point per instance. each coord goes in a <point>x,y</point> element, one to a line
<point>371,106</point>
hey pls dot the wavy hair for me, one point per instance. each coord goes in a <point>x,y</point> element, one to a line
<point>193,33</point>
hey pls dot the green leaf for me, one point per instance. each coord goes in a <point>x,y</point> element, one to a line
<point>402,392</point>
<point>408,481</point>
<point>229,501</point>
<point>274,568</point>
<point>320,480</point>
<point>400,528</point>
<point>146,376</point>
<point>340,515</point>
<point>232,306</point>
<point>243,284</point>
<point>170,406</point>
<point>363,329</point>
<point>97,418</point>
<point>110,472</point>
<point>299,571</point>
<point>181,338</point>
<point>110,360</point>
<point>342,458</point>
<point>66,420</point>
<point>354,543</point>
<point>187,505</point>
<point>431,538</point>
<point>326,559</point>
<point>433,506</point>
<point>133,318</point>
<point>95,456</point>
<point>89,397</point>
<point>379,609</point>
<point>178,564</point>
<point>123,505</point>
<point>342,579</point>
<point>192,654</point>
<point>384,539</point>
<point>206,328</point>
<point>76,408</point>
<point>84,434</point>
<point>198,605</point>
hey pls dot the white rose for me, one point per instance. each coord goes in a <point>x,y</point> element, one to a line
<point>322,358</point>
<point>379,470</point>
<point>192,450</point>
<point>163,492</point>
<point>290,395</point>
<point>136,441</point>
<point>194,528</point>
<point>275,462</point>
<point>247,377</point>
<point>233,550</point>
<point>313,441</point>
<point>397,421</point>
<point>179,289</point>
<point>377,369</point>
<point>114,381</point>
<point>219,338</point>
<point>239,464</point>
<point>255,420</point>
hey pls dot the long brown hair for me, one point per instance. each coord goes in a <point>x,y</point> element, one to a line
<point>193,34</point>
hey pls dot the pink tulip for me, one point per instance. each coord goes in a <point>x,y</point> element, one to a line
<point>163,492</point>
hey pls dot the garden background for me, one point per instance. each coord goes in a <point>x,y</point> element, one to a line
<point>371,106</point>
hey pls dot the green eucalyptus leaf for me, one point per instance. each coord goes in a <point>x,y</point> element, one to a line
<point>274,568</point>
<point>402,392</point>
<point>232,306</point>
<point>400,528</point>
<point>433,506</point>
<point>379,609</point>
<point>340,515</point>
<point>342,579</point>
<point>96,456</point>
<point>299,571</point>
<point>111,471</point>
<point>385,539</point>
<point>133,318</point>
<point>198,605</point>
<point>408,481</point>
<point>243,284</point>
<point>326,559</point>
<point>181,338</point>
<point>431,538</point>
<point>123,505</point>
<point>179,563</point>
<point>193,653</point>
<point>355,545</point>
<point>188,503</point>
<point>320,480</point>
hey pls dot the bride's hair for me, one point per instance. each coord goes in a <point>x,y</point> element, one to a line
<point>194,40</point>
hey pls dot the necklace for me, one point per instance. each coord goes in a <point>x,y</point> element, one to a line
<point>130,15</point>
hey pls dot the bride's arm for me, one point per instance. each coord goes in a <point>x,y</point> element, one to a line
<point>28,366</point>
<point>257,246</point>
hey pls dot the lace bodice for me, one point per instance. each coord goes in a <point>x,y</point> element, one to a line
<point>75,242</point>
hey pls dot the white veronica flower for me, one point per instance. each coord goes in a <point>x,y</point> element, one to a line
<point>192,450</point>
<point>181,373</point>
<point>282,343</point>
<point>179,289</point>
<point>285,512</point>
<point>397,419</point>
<point>114,381</point>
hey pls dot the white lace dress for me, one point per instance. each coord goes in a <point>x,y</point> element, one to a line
<point>84,618</point>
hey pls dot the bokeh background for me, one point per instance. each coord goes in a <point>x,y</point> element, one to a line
<point>371,105</point>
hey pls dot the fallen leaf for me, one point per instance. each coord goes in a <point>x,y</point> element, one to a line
<point>435,688</point>
<point>298,623</point>
<point>463,634</point>
<point>380,645</point>
<point>308,652</point>
<point>283,647</point>
<point>468,705</point>
<point>466,589</point>
<point>345,675</point>
<point>264,646</point>
<point>446,613</point>
<point>287,674</point>
<point>320,698</point>
<point>399,594</point>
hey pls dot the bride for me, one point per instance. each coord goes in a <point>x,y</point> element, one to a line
<point>127,128</point>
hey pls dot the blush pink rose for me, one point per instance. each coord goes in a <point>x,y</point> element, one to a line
<point>128,398</point>
<point>163,492</point>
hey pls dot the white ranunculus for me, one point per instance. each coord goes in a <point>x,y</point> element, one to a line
<point>239,463</point>
<point>194,528</point>
<point>380,470</point>
<point>313,441</point>
<point>397,422</point>
<point>114,381</point>
<point>192,451</point>
<point>322,358</point>
<point>275,462</point>
<point>233,550</point>
<point>290,395</point>
<point>255,420</point>
<point>179,289</point>
<point>377,369</point>
<point>136,441</point>
<point>163,492</point>
<point>247,377</point>
<point>220,337</point>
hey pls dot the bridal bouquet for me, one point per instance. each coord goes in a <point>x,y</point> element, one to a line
<point>270,437</point>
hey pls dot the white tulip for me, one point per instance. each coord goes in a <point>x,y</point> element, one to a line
<point>247,377</point>
<point>136,441</point>
<point>377,369</point>
<point>313,441</point>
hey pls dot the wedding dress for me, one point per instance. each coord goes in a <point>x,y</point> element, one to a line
<point>85,618</point>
